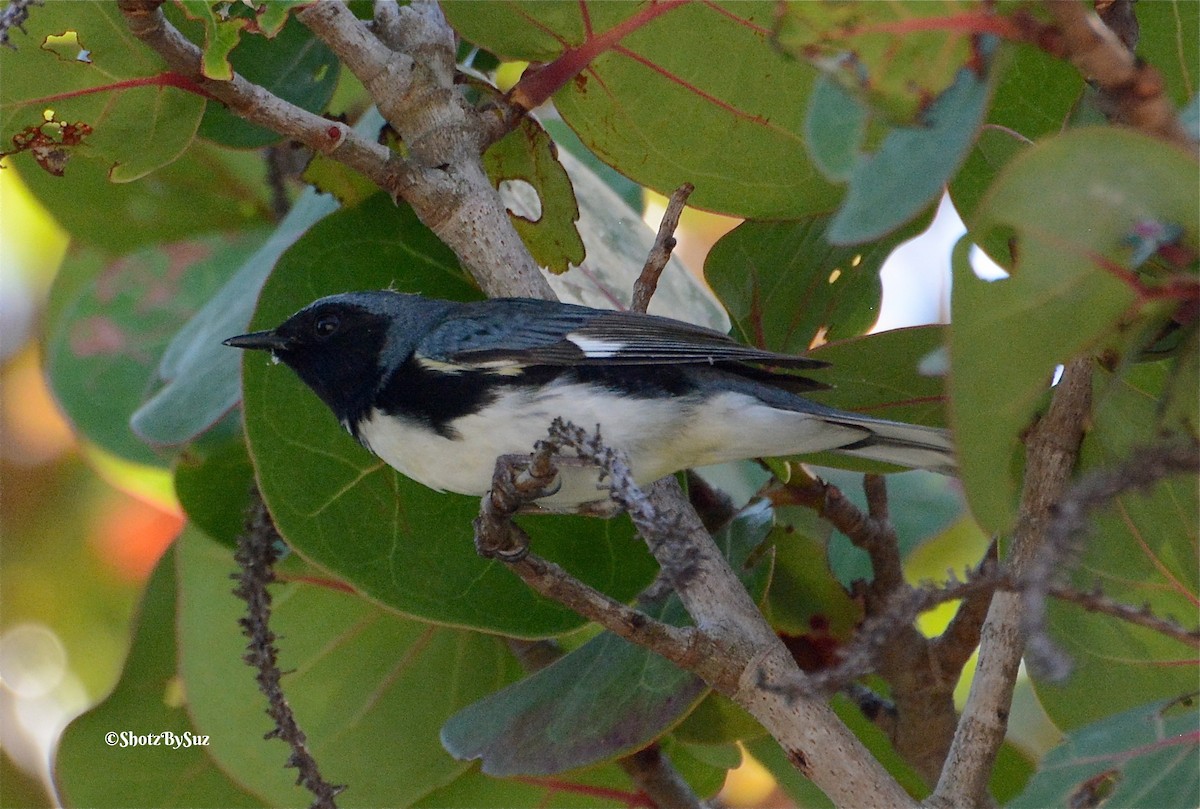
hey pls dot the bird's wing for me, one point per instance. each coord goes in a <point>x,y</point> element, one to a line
<point>517,333</point>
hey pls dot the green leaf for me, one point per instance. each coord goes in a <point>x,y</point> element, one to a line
<point>760,270</point>
<point>1067,292</point>
<point>527,154</point>
<point>635,71</point>
<point>199,375</point>
<point>149,700</point>
<point>107,333</point>
<point>295,66</point>
<point>1141,550</point>
<point>368,688</point>
<point>139,117</point>
<point>806,604</point>
<point>214,489</point>
<point>1034,95</point>
<point>896,56</point>
<point>605,699</point>
<point>1166,40</point>
<point>913,164</point>
<point>207,190</point>
<point>224,24</point>
<point>718,720</point>
<point>834,129</point>
<point>594,788</point>
<point>885,374</point>
<point>1143,757</point>
<point>393,539</point>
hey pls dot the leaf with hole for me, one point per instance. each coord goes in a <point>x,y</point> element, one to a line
<point>141,116</point>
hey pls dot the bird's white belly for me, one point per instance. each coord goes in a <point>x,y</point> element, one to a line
<point>659,436</point>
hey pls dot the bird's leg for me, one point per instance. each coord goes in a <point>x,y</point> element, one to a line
<point>517,482</point>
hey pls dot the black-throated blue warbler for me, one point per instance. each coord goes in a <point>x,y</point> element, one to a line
<point>440,389</point>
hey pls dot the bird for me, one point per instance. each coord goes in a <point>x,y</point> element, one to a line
<point>440,389</point>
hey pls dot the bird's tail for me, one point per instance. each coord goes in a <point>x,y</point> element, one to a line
<point>901,444</point>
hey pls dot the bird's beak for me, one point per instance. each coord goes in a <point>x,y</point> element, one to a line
<point>261,340</point>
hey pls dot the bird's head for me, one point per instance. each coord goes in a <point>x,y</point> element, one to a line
<point>345,346</point>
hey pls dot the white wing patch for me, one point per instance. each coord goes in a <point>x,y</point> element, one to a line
<point>596,349</point>
<point>501,367</point>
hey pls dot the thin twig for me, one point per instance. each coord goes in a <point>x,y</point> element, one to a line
<point>660,252</point>
<point>256,553</point>
<point>1097,601</point>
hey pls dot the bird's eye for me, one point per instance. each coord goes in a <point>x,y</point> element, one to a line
<point>326,325</point>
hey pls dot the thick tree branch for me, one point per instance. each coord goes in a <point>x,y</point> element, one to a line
<point>1135,90</point>
<point>740,655</point>
<point>444,138</point>
<point>1051,451</point>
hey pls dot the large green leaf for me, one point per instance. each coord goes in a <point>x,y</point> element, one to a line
<point>786,287</point>
<point>910,169</point>
<point>108,332</point>
<point>148,701</point>
<point>393,539</point>
<point>897,56</point>
<point>213,486</point>
<point>891,374</point>
<point>198,375</point>
<point>605,699</point>
<point>77,63</point>
<point>205,191</point>
<point>369,689</point>
<point>1034,95</point>
<point>1168,42</point>
<point>1069,290</point>
<point>642,70</point>
<point>1143,757</point>
<point>1141,550</point>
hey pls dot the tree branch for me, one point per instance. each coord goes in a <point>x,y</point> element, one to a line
<point>1051,451</point>
<point>254,104</point>
<point>1135,90</point>
<point>660,253</point>
<point>743,657</point>
<point>443,135</point>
